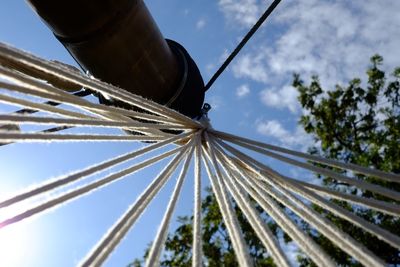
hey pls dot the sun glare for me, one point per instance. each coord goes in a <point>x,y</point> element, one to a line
<point>16,241</point>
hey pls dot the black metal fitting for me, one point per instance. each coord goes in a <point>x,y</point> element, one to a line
<point>189,95</point>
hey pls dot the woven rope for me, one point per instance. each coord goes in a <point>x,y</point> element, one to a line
<point>197,244</point>
<point>236,178</point>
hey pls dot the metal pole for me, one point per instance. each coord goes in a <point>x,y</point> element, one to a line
<point>118,42</point>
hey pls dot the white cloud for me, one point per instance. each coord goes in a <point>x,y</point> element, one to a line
<point>242,12</point>
<point>333,39</point>
<point>215,102</point>
<point>285,97</point>
<point>272,128</point>
<point>211,67</point>
<point>201,23</point>
<point>298,139</point>
<point>223,56</point>
<point>242,91</point>
<point>251,66</point>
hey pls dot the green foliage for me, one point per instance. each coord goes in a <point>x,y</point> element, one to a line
<point>217,247</point>
<point>356,123</point>
<point>361,125</point>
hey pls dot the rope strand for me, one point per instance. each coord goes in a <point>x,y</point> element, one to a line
<point>236,178</point>
<point>111,239</point>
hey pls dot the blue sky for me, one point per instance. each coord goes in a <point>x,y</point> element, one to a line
<point>253,98</point>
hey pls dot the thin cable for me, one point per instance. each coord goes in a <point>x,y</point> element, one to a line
<point>242,43</point>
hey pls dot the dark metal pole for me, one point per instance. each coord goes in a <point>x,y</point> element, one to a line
<point>118,42</point>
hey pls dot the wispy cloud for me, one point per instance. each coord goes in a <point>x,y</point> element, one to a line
<point>285,97</point>
<point>186,11</point>
<point>333,39</point>
<point>216,102</point>
<point>253,66</point>
<point>212,66</point>
<point>241,12</point>
<point>242,91</point>
<point>298,139</point>
<point>201,23</point>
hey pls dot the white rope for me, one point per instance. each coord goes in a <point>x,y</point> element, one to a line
<point>306,244</point>
<point>382,234</point>
<point>45,137</point>
<point>325,227</point>
<point>42,107</point>
<point>18,119</point>
<point>43,76</point>
<point>197,242</point>
<point>260,228</point>
<point>374,204</point>
<point>66,113</point>
<point>153,258</point>
<point>373,229</point>
<point>359,183</point>
<point>83,190</point>
<point>111,239</point>
<point>76,78</point>
<point>53,184</point>
<point>50,92</point>
<point>335,209</point>
<point>341,239</point>
<point>381,206</point>
<point>241,176</point>
<point>227,211</point>
<point>31,86</point>
<point>35,88</point>
<point>282,219</point>
<point>392,177</point>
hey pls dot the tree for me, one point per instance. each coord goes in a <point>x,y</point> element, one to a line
<point>351,124</point>
<point>217,247</point>
<point>362,126</point>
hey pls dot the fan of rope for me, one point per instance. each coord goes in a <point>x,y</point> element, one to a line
<point>235,177</point>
